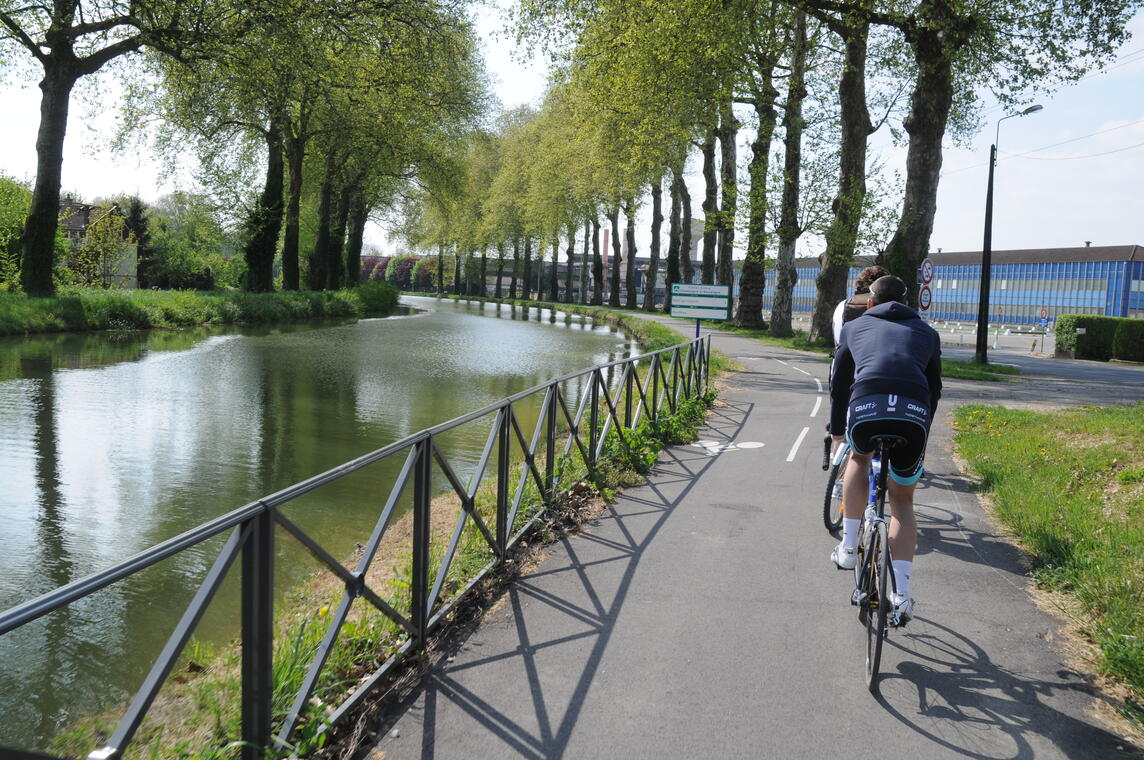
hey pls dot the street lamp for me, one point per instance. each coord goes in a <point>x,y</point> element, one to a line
<point>986,248</point>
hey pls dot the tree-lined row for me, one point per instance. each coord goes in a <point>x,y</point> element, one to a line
<point>332,107</point>
<point>641,88</point>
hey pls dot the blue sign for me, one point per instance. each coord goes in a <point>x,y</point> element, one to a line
<point>1043,323</point>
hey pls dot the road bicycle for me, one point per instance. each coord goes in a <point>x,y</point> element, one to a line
<point>874,584</point>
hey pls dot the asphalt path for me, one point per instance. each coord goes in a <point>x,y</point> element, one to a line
<point>700,617</point>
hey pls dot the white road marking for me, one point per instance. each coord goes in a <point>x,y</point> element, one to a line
<point>817,403</point>
<point>797,443</point>
<point>799,369</point>
<point>715,447</point>
<point>819,384</point>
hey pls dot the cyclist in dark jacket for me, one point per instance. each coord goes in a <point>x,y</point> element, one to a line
<point>887,379</point>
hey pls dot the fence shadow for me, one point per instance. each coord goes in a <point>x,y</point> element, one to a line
<point>591,602</point>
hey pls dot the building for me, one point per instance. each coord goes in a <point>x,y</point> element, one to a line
<point>1025,285</point>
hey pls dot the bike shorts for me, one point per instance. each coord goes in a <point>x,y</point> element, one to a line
<point>894,415</point>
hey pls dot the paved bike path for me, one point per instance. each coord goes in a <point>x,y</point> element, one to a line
<point>699,618</point>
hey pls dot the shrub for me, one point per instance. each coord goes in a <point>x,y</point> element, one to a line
<point>424,275</point>
<point>399,271</point>
<point>376,297</point>
<point>378,272</point>
<point>1094,343</point>
<point>1128,340</point>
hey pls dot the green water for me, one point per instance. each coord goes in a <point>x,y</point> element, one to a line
<point>110,444</point>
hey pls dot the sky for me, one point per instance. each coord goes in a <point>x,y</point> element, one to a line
<point>1071,173</point>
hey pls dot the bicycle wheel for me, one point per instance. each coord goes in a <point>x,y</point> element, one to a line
<point>832,504</point>
<point>877,603</point>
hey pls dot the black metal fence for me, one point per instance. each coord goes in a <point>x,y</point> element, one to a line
<point>617,396</point>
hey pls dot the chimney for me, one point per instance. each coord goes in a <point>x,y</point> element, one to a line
<point>1087,243</point>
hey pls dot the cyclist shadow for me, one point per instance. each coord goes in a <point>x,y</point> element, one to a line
<point>965,702</point>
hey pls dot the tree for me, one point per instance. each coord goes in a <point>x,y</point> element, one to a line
<point>70,40</point>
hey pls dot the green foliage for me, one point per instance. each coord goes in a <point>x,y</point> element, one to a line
<point>1128,341</point>
<point>15,199</point>
<point>189,247</point>
<point>1103,338</point>
<point>1068,484</point>
<point>399,271</point>
<point>77,309</point>
<point>102,257</point>
<point>424,275</point>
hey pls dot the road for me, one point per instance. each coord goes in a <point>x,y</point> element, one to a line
<point>699,617</point>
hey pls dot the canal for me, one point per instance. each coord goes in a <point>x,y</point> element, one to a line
<point>111,443</point>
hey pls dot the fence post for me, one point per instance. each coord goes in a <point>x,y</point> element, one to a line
<point>550,450</point>
<point>593,416</point>
<point>628,371</point>
<point>421,493</point>
<point>503,453</point>
<point>655,388</point>
<point>257,635</point>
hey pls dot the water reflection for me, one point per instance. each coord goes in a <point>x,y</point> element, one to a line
<point>110,444</point>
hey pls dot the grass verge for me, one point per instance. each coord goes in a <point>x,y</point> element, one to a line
<point>83,309</point>
<point>1070,486</point>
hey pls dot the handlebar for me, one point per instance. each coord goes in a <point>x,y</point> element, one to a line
<point>826,451</point>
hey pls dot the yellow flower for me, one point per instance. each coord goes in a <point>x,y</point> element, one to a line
<point>324,609</point>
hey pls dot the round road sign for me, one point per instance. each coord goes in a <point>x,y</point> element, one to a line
<point>1044,313</point>
<point>927,271</point>
<point>924,298</point>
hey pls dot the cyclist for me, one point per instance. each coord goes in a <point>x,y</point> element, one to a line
<point>887,379</point>
<point>855,306</point>
<point>846,310</point>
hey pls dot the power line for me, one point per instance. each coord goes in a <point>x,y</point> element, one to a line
<point>1074,139</point>
<point>1074,158</point>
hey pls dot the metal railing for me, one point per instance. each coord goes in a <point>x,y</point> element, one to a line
<point>669,375</point>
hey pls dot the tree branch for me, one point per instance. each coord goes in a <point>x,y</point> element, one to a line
<point>22,36</point>
<point>92,63</point>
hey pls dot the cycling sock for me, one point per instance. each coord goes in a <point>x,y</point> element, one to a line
<point>902,570</point>
<point>850,533</point>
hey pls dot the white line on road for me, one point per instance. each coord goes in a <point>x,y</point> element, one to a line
<point>797,443</point>
<point>819,384</point>
<point>799,369</point>
<point>817,403</point>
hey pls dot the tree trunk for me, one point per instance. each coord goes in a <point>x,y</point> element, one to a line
<point>630,265</point>
<point>785,275</point>
<point>336,271</point>
<point>749,311</point>
<point>457,283</point>
<point>440,269</point>
<point>39,235</point>
<point>930,103</point>
<point>295,156</point>
<point>597,264</point>
<point>526,280</point>
<point>842,235</point>
<point>515,268</point>
<point>319,258</point>
<point>265,221</point>
<point>484,286</point>
<point>554,275</point>
<point>359,215</point>
<point>710,211</point>
<point>728,171</point>
<point>673,234</point>
<point>653,246</point>
<point>571,255</point>
<point>584,262</point>
<point>500,269</point>
<point>685,229</point>
<point>614,290</point>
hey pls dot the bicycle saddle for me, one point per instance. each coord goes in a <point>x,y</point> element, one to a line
<point>891,441</point>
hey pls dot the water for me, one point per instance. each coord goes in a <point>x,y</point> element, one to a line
<point>110,444</point>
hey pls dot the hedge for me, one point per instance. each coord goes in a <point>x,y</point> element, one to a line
<point>1104,338</point>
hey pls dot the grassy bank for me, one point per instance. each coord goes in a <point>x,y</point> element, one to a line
<point>1070,486</point>
<point>800,341</point>
<point>84,309</point>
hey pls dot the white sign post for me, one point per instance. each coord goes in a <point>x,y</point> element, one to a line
<point>700,302</point>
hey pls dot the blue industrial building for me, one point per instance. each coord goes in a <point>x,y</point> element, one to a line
<point>1106,280</point>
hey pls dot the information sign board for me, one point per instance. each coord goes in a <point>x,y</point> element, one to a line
<point>700,301</point>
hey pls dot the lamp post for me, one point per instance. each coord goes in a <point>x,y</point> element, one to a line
<point>986,248</point>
